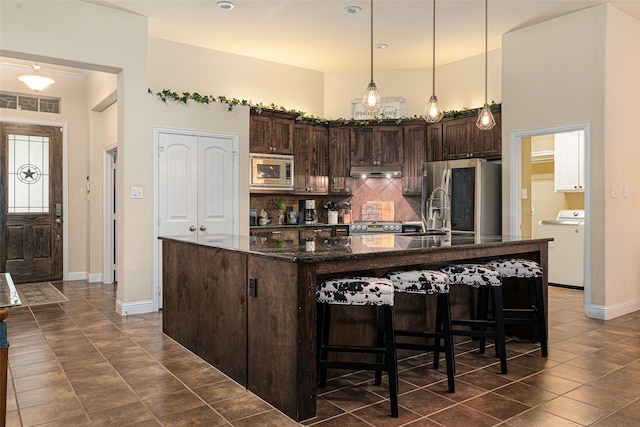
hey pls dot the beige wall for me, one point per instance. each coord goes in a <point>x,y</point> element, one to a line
<point>73,114</point>
<point>622,110</point>
<point>576,69</point>
<point>185,68</point>
<point>459,85</point>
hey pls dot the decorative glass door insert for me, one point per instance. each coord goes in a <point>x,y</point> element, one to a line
<point>28,174</point>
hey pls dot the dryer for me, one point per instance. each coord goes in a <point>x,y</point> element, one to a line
<point>566,251</point>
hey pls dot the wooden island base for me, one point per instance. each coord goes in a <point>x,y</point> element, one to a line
<point>251,312</point>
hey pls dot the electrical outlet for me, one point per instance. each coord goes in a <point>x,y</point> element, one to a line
<point>253,287</point>
<point>137,193</point>
<point>615,192</point>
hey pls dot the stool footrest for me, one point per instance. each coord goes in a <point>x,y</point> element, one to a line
<point>353,349</point>
<point>354,365</point>
<point>418,334</point>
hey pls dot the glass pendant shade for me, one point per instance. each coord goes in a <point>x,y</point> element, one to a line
<point>35,81</point>
<point>485,118</point>
<point>432,113</point>
<point>371,102</point>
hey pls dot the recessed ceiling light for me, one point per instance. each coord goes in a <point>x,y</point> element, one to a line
<point>352,9</point>
<point>382,46</point>
<point>225,5</point>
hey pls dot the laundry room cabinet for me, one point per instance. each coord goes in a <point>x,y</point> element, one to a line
<point>568,157</point>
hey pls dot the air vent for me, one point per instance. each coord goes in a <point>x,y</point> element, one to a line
<point>28,102</point>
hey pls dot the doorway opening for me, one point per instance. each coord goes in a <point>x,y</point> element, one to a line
<point>520,148</point>
<point>110,220</point>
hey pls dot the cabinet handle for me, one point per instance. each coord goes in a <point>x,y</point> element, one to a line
<point>192,228</point>
<point>276,232</point>
<point>203,227</point>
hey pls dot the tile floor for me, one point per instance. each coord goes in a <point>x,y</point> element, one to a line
<point>79,363</point>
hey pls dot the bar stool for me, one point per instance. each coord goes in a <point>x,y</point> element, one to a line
<point>429,282</point>
<point>359,291</point>
<point>531,272</point>
<point>489,284</point>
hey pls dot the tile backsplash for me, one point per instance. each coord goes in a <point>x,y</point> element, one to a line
<point>385,190</point>
<point>406,208</point>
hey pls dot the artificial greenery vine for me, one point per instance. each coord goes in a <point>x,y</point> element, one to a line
<point>185,97</point>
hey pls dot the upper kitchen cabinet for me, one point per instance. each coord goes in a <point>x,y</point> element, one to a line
<point>339,159</point>
<point>434,142</point>
<point>568,157</point>
<point>415,137</point>
<point>271,132</point>
<point>311,157</point>
<point>461,139</point>
<point>376,145</point>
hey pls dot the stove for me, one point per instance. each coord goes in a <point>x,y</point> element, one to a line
<point>373,227</point>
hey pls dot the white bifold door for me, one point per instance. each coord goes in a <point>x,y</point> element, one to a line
<point>197,187</point>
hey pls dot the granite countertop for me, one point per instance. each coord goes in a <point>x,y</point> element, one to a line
<point>355,246</point>
<point>295,226</point>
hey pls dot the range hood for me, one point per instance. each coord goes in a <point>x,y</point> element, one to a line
<point>376,171</point>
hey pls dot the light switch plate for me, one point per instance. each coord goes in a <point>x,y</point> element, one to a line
<point>137,193</point>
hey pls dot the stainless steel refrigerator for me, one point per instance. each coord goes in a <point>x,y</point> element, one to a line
<point>462,196</point>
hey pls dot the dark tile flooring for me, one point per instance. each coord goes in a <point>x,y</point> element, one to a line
<point>79,363</point>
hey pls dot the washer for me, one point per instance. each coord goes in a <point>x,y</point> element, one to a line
<point>566,251</point>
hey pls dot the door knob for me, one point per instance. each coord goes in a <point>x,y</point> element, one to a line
<point>203,227</point>
<point>192,228</point>
<point>58,221</point>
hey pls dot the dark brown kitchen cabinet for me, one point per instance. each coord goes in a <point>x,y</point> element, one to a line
<point>311,157</point>
<point>339,159</point>
<point>271,132</point>
<point>488,143</point>
<point>376,145</point>
<point>414,146</point>
<point>434,142</point>
<point>461,139</point>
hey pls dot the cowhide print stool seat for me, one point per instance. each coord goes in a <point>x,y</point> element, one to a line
<point>533,313</point>
<point>489,284</point>
<point>428,283</point>
<point>359,292</point>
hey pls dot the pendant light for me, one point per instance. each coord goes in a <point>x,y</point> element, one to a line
<point>371,101</point>
<point>485,118</point>
<point>35,81</point>
<point>432,113</point>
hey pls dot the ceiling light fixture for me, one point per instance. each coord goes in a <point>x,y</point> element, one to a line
<point>485,118</point>
<point>432,112</point>
<point>371,101</point>
<point>35,81</point>
<point>225,5</point>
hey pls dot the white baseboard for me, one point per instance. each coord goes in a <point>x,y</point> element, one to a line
<point>76,275</point>
<point>611,312</point>
<point>137,307</point>
<point>81,275</point>
<point>94,278</point>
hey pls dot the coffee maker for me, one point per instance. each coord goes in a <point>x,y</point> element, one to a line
<point>308,211</point>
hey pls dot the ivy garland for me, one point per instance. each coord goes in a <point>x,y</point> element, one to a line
<point>185,97</point>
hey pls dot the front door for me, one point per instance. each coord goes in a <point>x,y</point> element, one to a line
<point>31,202</point>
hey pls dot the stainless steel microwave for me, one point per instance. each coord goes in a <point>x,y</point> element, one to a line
<point>271,172</point>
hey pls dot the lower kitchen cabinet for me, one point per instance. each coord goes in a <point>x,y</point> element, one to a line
<point>321,232</point>
<point>290,234</point>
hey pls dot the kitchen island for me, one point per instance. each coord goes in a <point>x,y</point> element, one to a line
<point>247,305</point>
